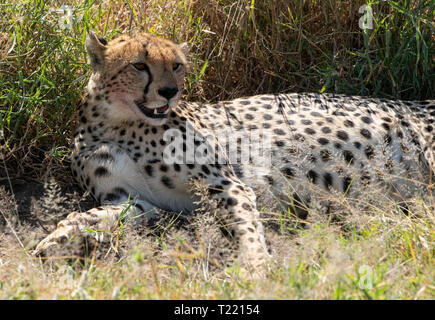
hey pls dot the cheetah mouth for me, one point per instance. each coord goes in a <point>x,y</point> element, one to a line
<point>155,113</point>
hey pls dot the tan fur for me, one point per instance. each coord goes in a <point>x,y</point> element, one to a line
<point>336,142</point>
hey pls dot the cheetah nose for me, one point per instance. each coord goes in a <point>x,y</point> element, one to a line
<point>168,92</point>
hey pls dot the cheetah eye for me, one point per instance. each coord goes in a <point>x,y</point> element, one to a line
<point>177,66</point>
<point>139,66</point>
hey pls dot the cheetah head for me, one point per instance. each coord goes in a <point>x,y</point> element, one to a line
<point>139,77</point>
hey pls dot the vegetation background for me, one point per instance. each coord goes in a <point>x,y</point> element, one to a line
<point>238,48</point>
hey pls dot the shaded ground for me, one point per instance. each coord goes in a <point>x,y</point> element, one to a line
<point>184,256</point>
<point>30,209</point>
<point>26,193</point>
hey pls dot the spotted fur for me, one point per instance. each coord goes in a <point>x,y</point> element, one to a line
<point>334,141</point>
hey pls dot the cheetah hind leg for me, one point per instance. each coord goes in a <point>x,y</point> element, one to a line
<point>104,218</point>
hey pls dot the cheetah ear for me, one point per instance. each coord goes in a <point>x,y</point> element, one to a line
<point>184,47</point>
<point>96,47</point>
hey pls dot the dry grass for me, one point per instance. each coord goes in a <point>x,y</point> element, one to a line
<point>380,253</point>
<point>237,48</point>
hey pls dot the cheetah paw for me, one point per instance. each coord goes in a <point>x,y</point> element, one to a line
<point>57,237</point>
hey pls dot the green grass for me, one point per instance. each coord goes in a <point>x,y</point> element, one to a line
<point>237,48</point>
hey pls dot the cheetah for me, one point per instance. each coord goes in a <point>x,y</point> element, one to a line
<point>138,146</point>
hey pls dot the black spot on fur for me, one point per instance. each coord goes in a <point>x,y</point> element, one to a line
<point>215,190</point>
<point>369,152</point>
<point>326,130</point>
<point>149,170</point>
<point>366,120</point>
<point>310,131</point>
<point>387,139</point>
<point>279,132</point>
<point>301,212</point>
<point>366,133</point>
<point>339,113</point>
<point>327,179</point>
<point>348,124</point>
<point>288,172</point>
<point>231,201</point>
<point>312,176</point>
<point>205,169</point>
<point>246,206</point>
<point>348,156</point>
<point>346,183</point>
<point>386,126</point>
<point>342,135</point>
<point>105,156</point>
<point>323,141</point>
<point>325,155</point>
<point>167,182</point>
<point>101,171</point>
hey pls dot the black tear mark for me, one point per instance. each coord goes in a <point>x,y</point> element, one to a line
<point>150,79</point>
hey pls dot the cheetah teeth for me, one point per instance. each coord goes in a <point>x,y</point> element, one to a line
<point>156,113</point>
<point>161,110</point>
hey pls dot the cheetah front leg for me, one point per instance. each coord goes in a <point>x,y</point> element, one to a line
<point>239,211</point>
<point>104,218</point>
<point>111,176</point>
